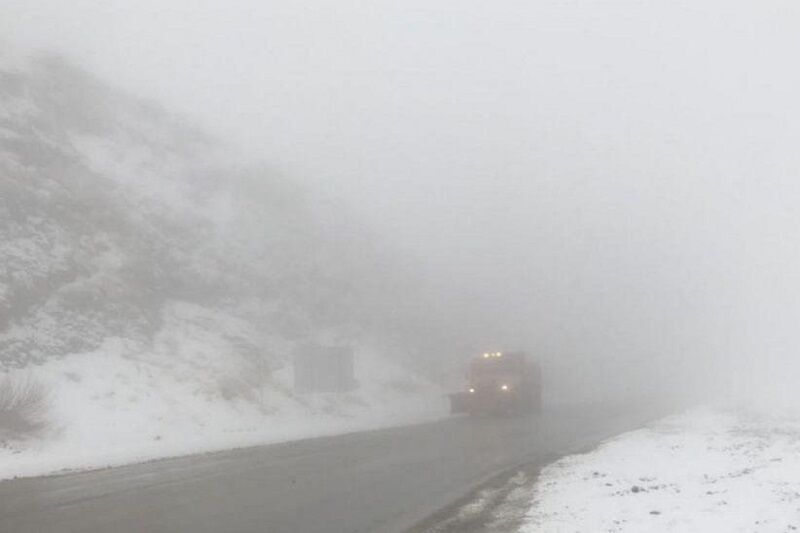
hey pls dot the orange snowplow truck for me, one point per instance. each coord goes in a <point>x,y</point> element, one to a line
<point>500,383</point>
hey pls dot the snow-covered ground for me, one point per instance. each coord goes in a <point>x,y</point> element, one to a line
<point>112,407</point>
<point>703,471</point>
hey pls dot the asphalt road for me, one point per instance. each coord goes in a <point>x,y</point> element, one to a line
<point>380,481</point>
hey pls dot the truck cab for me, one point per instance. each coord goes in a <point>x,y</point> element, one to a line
<point>500,383</point>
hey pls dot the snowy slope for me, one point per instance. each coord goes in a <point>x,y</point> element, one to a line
<point>111,208</point>
<point>158,291</point>
<point>112,409</point>
<point>703,471</point>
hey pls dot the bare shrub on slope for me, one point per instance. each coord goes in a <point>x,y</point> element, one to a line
<point>23,407</point>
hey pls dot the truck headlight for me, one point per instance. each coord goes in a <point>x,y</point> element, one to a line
<point>504,387</point>
<point>472,391</point>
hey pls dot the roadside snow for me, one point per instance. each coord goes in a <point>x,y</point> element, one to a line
<point>704,471</point>
<point>113,406</point>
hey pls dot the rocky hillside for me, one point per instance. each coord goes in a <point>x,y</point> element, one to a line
<point>112,212</point>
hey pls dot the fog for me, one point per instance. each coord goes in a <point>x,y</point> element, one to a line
<point>608,184</point>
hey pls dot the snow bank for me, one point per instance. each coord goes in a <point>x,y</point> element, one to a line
<point>706,470</point>
<point>114,406</point>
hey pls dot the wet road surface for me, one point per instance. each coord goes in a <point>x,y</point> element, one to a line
<point>372,482</point>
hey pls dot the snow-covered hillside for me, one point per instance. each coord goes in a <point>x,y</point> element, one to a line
<point>157,293</point>
<point>703,471</point>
